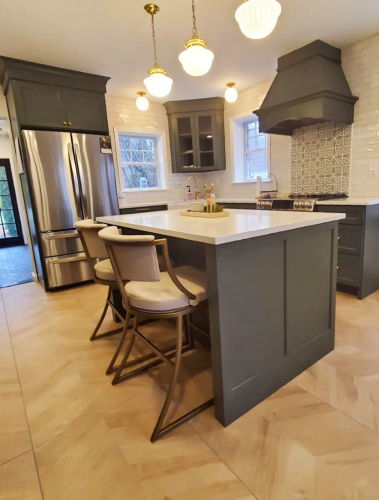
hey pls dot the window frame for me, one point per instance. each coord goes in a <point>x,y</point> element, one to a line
<point>238,146</point>
<point>159,138</point>
<point>247,151</point>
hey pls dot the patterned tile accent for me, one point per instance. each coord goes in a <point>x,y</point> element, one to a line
<point>320,159</point>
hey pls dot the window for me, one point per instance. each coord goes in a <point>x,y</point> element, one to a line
<point>250,149</point>
<point>256,162</point>
<point>139,162</point>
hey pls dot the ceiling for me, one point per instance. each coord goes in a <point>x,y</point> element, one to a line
<point>113,38</point>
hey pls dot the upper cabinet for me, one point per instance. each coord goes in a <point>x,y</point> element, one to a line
<point>46,98</point>
<point>197,134</point>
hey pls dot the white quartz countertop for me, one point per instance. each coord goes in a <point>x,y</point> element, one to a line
<point>351,201</point>
<point>240,225</point>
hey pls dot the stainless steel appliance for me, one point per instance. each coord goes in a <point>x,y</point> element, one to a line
<point>296,202</point>
<point>72,178</point>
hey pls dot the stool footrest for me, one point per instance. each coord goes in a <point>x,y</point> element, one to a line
<point>181,420</point>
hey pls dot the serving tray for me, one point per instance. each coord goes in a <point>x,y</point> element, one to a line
<point>206,215</point>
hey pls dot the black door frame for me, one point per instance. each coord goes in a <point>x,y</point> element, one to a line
<point>19,239</point>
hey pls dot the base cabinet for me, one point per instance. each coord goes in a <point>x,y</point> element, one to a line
<point>358,248</point>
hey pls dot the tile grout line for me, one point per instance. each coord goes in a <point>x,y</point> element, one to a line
<point>227,466</point>
<point>23,402</point>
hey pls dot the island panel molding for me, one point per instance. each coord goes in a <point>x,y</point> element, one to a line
<point>320,159</point>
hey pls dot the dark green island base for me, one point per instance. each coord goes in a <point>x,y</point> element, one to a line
<point>271,308</point>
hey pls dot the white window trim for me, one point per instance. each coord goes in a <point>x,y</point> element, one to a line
<point>237,148</point>
<point>160,139</point>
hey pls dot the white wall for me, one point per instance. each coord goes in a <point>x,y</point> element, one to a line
<point>360,62</point>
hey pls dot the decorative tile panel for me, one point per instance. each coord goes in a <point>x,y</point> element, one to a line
<point>320,159</point>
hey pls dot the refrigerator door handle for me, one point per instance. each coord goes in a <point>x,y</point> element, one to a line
<point>75,183</point>
<point>82,182</point>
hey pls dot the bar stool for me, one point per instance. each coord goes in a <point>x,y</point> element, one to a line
<point>156,295</point>
<point>102,271</point>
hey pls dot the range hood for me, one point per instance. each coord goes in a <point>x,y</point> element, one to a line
<point>310,88</point>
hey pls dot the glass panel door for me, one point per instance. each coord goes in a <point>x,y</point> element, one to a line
<point>205,133</point>
<point>10,226</point>
<point>186,145</point>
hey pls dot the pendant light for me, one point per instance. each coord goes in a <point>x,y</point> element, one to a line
<point>258,18</point>
<point>231,93</point>
<point>158,84</point>
<point>141,102</point>
<point>196,59</point>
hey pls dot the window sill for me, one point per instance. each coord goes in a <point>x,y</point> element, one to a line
<point>148,190</point>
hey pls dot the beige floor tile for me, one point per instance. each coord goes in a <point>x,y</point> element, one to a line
<point>19,479</point>
<point>295,446</point>
<point>56,398</point>
<point>347,379</point>
<point>14,433</point>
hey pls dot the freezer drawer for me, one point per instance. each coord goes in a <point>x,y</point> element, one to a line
<point>57,243</point>
<point>67,270</point>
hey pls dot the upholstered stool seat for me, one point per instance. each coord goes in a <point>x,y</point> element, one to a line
<point>104,270</point>
<point>164,295</point>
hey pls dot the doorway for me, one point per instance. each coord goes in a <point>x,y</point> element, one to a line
<point>15,261</point>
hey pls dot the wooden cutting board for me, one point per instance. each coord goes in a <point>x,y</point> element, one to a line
<point>205,215</point>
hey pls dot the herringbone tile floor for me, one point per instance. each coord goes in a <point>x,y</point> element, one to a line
<point>67,434</point>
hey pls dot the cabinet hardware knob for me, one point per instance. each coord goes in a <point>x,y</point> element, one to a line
<point>69,123</point>
<point>339,237</point>
<point>338,267</point>
<point>64,123</point>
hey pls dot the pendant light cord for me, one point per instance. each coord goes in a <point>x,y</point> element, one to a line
<point>156,65</point>
<point>194,30</point>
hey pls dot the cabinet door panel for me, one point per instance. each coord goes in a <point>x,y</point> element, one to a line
<point>349,270</point>
<point>350,239</point>
<point>40,106</point>
<point>86,111</point>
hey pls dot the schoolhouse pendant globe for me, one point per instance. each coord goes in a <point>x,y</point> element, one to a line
<point>231,93</point>
<point>142,102</point>
<point>196,59</point>
<point>258,18</point>
<point>158,84</point>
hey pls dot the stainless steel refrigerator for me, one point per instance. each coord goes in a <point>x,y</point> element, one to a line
<point>71,177</point>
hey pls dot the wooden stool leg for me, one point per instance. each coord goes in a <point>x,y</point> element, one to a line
<point>170,393</point>
<point>127,353</point>
<point>119,347</point>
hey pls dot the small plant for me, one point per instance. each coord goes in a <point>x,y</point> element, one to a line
<point>217,208</point>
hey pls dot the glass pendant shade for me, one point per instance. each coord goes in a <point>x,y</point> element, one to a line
<point>196,60</point>
<point>141,102</point>
<point>231,93</point>
<point>158,84</point>
<point>258,18</point>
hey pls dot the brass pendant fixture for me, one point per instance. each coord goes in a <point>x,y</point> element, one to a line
<point>196,59</point>
<point>157,84</point>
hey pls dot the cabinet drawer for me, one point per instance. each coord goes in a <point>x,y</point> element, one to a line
<point>354,215</point>
<point>349,270</point>
<point>350,239</point>
<point>138,210</point>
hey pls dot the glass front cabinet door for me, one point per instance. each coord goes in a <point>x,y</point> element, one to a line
<point>197,135</point>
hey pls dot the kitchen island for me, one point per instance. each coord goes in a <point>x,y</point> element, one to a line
<point>271,293</point>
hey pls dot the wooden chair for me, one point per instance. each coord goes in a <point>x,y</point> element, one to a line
<point>155,295</point>
<point>102,270</point>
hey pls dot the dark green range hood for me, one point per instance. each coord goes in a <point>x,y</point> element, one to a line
<point>310,88</point>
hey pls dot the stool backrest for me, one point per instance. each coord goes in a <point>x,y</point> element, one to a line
<point>89,236</point>
<point>134,258</point>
